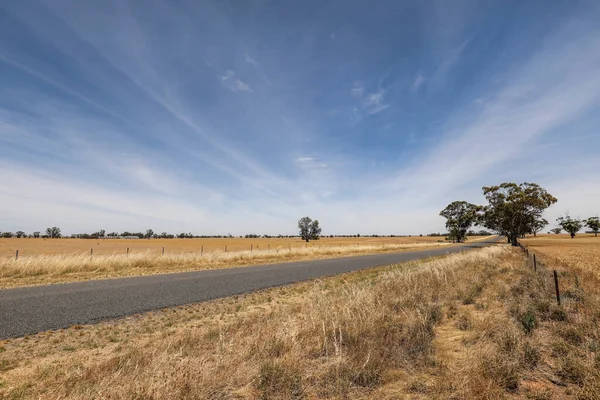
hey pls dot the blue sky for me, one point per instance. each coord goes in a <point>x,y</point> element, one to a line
<point>221,117</point>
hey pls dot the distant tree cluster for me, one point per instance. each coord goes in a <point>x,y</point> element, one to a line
<point>512,211</point>
<point>150,234</point>
<point>573,225</point>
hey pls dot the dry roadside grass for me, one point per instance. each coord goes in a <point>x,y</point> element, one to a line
<point>334,338</point>
<point>508,338</point>
<point>475,325</point>
<point>70,267</point>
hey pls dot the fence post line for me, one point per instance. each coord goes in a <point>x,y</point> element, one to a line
<point>202,250</point>
<point>534,263</point>
<point>17,255</point>
<point>91,251</point>
<point>556,287</point>
<point>163,251</point>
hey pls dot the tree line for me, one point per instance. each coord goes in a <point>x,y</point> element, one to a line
<point>308,229</point>
<point>513,210</point>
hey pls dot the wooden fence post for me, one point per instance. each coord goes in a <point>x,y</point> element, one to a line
<point>226,248</point>
<point>91,251</point>
<point>17,255</point>
<point>163,251</point>
<point>556,287</point>
<point>128,250</point>
<point>202,250</point>
<point>251,247</point>
<point>534,263</point>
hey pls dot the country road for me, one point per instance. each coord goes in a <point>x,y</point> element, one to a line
<point>29,310</point>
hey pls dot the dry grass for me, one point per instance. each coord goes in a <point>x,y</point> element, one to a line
<point>476,325</point>
<point>35,247</point>
<point>581,252</point>
<point>335,338</point>
<point>54,268</point>
<point>514,341</point>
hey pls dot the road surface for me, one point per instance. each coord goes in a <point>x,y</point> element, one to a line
<point>29,310</point>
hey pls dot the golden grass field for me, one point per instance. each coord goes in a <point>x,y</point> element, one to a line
<point>475,325</point>
<point>34,247</point>
<point>66,260</point>
<point>582,252</point>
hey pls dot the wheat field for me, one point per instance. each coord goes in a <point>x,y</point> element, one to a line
<point>60,260</point>
<point>33,247</point>
<point>581,252</point>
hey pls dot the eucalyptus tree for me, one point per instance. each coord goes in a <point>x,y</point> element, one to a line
<point>309,229</point>
<point>594,224</point>
<point>538,225</point>
<point>513,209</point>
<point>571,225</point>
<point>460,217</point>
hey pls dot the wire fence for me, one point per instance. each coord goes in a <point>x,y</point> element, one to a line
<point>540,267</point>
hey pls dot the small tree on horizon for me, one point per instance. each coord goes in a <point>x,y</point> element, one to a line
<point>53,233</point>
<point>594,224</point>
<point>556,231</point>
<point>571,225</point>
<point>309,229</point>
<point>149,233</point>
<point>537,226</point>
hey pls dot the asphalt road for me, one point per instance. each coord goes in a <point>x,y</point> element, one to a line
<point>29,310</point>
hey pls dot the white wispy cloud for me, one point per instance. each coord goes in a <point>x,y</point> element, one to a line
<point>374,102</point>
<point>357,91</point>
<point>451,59</point>
<point>250,60</point>
<point>233,83</point>
<point>498,141</point>
<point>419,80</point>
<point>370,103</point>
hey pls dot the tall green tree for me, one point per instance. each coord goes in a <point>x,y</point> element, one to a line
<point>594,224</point>
<point>556,231</point>
<point>149,233</point>
<point>20,234</point>
<point>309,229</point>
<point>571,225</point>
<point>460,217</point>
<point>513,209</point>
